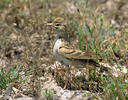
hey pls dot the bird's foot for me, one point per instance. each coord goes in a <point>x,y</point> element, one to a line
<point>66,84</point>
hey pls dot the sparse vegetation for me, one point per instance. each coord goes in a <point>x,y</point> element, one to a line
<point>48,94</point>
<point>4,3</point>
<point>99,41</point>
<point>93,26</point>
<point>12,75</point>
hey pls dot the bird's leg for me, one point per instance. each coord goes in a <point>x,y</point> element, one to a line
<point>67,78</point>
<point>62,72</point>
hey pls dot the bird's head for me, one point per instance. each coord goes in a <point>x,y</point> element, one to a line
<point>59,28</point>
<point>58,25</point>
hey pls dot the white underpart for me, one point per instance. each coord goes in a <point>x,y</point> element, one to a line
<point>59,57</point>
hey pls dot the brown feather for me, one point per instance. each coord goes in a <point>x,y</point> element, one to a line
<point>69,52</point>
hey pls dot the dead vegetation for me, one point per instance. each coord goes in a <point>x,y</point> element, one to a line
<point>25,40</point>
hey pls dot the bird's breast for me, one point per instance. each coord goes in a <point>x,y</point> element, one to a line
<point>56,46</point>
<point>59,57</point>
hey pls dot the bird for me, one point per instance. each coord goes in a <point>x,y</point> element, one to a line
<point>66,53</point>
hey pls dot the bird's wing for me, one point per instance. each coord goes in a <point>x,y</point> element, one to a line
<point>68,51</point>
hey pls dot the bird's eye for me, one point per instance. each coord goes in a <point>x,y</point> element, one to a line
<point>58,24</point>
<point>60,37</point>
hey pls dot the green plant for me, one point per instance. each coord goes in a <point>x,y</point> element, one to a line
<point>80,35</point>
<point>114,87</point>
<point>4,3</point>
<point>49,94</point>
<point>12,76</point>
<point>3,42</point>
<point>101,39</point>
<point>44,2</point>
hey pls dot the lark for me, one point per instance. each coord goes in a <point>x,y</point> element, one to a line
<point>65,53</point>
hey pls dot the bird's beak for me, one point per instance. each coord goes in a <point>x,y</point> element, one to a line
<point>48,24</point>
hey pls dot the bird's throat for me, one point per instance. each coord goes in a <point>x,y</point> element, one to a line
<point>57,45</point>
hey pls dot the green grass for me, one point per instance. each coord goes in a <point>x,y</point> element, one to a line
<point>48,94</point>
<point>104,42</point>
<point>3,42</point>
<point>4,3</point>
<point>12,75</point>
<point>114,87</point>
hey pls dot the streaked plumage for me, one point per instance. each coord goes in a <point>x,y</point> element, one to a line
<point>65,53</point>
<point>69,52</point>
